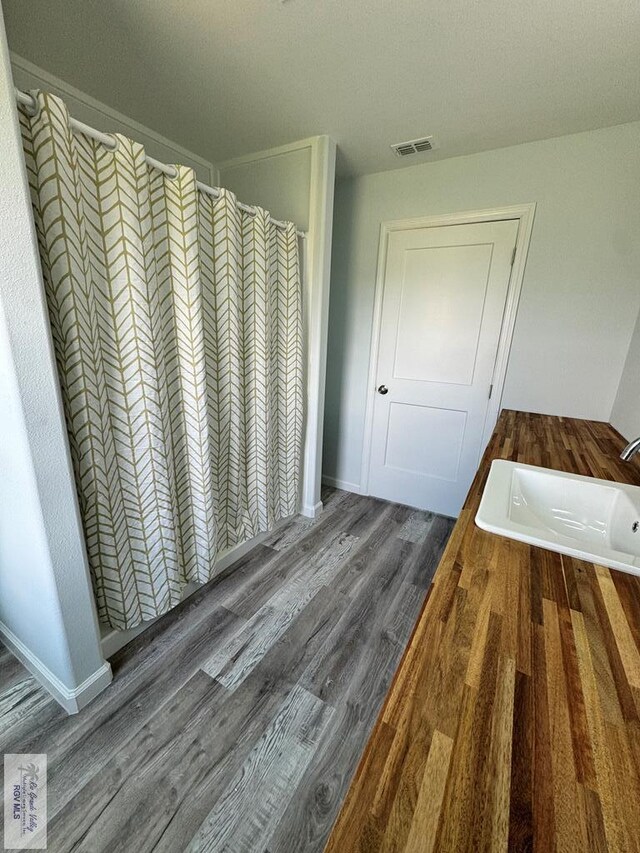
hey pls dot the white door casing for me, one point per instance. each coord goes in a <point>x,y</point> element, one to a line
<point>445,309</point>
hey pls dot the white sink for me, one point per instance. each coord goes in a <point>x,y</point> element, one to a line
<point>594,520</point>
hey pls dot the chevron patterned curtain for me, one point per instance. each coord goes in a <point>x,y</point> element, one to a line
<point>176,322</point>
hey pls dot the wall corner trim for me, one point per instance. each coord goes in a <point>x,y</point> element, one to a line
<point>311,510</point>
<point>72,699</point>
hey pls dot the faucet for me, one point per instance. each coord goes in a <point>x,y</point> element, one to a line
<point>630,450</point>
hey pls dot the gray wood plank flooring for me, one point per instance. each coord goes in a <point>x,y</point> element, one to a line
<point>236,721</point>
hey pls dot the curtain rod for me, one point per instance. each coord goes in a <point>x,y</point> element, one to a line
<point>108,141</point>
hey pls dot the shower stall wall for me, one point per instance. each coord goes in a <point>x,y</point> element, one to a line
<point>177,327</point>
<point>315,297</point>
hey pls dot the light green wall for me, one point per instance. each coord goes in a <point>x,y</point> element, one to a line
<point>281,183</point>
<point>83,107</point>
<point>581,292</point>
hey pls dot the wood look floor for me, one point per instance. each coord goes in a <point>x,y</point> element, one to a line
<point>513,722</point>
<point>236,721</point>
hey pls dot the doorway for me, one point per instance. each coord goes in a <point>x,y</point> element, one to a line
<point>446,298</point>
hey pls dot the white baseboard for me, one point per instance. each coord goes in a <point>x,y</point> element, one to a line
<point>345,485</point>
<point>71,699</point>
<point>311,510</point>
<point>112,639</point>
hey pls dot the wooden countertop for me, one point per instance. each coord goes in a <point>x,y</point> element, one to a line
<point>513,721</point>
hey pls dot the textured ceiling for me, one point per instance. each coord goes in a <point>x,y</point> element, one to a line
<point>228,77</point>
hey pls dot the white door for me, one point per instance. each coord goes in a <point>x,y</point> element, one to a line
<point>444,296</point>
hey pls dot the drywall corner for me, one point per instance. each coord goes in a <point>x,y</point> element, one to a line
<point>625,414</point>
<point>71,699</point>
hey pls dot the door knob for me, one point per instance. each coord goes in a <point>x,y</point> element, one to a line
<point>382,389</point>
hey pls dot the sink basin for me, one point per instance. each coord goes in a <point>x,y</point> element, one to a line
<point>594,520</point>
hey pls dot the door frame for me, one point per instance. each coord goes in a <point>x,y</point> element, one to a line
<point>524,213</point>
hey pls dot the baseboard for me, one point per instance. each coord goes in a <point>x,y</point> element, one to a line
<point>230,556</point>
<point>345,485</point>
<point>112,639</point>
<point>71,699</point>
<point>311,510</point>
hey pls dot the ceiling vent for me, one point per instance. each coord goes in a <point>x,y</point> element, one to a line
<point>414,146</point>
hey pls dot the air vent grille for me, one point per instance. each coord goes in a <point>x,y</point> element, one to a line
<point>414,146</point>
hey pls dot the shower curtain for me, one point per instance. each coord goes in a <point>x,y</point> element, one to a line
<point>176,321</point>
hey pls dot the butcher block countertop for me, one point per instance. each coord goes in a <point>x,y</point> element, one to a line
<point>513,721</point>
